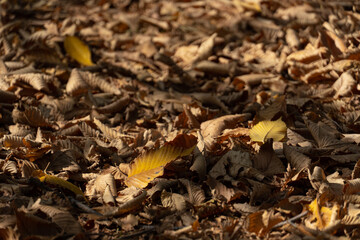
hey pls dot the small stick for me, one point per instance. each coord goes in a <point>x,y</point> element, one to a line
<point>290,220</point>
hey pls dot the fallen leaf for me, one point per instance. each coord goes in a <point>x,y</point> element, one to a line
<point>151,165</point>
<point>43,177</point>
<point>78,50</point>
<point>267,162</point>
<point>264,130</point>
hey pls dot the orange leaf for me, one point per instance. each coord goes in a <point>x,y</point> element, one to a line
<point>151,165</point>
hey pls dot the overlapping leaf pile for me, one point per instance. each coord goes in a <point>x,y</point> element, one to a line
<point>179,119</point>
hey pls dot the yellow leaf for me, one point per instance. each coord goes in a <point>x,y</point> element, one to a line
<point>268,129</point>
<point>151,165</point>
<point>78,50</point>
<point>251,5</point>
<point>324,216</point>
<point>57,181</point>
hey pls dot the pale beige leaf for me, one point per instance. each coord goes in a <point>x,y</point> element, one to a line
<point>174,201</point>
<point>108,197</point>
<point>220,191</point>
<point>76,84</point>
<point>132,204</point>
<point>205,49</point>
<point>344,85</point>
<point>97,187</point>
<point>97,82</point>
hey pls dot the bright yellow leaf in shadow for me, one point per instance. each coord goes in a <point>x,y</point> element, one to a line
<point>265,130</point>
<point>78,50</point>
<point>43,177</point>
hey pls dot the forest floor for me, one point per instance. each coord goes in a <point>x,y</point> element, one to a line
<point>141,119</point>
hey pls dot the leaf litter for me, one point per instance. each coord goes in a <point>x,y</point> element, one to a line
<point>182,119</point>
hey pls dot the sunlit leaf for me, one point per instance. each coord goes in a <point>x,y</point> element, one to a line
<point>324,216</point>
<point>251,5</point>
<point>268,129</point>
<point>151,165</point>
<point>78,50</point>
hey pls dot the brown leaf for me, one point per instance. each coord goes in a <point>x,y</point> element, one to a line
<point>29,224</point>
<point>220,191</point>
<point>261,222</point>
<point>196,194</point>
<point>297,160</point>
<point>267,162</point>
<point>272,111</point>
<point>213,128</point>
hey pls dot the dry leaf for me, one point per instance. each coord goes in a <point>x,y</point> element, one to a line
<point>261,222</point>
<point>174,201</point>
<point>296,159</point>
<point>267,162</point>
<point>196,194</point>
<point>344,85</point>
<point>220,191</point>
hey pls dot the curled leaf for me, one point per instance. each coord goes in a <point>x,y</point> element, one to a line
<point>78,50</point>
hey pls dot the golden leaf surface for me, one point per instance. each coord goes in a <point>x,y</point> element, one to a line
<point>78,50</point>
<point>268,129</point>
<point>43,177</point>
<point>151,165</point>
<point>324,216</point>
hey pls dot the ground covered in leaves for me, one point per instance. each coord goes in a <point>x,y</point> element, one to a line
<point>202,119</point>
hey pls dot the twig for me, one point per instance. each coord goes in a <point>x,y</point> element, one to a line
<point>138,233</point>
<point>289,221</point>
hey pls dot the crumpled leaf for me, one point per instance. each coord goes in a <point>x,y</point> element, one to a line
<point>268,129</point>
<point>151,165</point>
<point>78,50</point>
